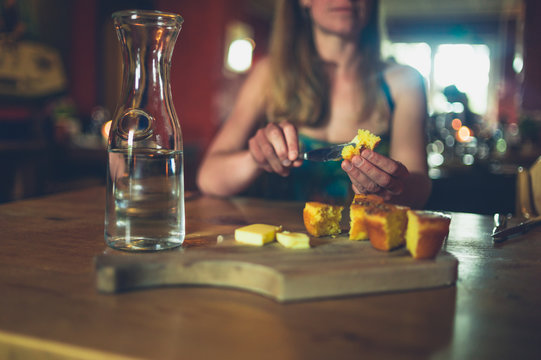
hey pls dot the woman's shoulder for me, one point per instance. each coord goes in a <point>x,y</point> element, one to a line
<point>258,77</point>
<point>261,68</point>
<point>402,77</point>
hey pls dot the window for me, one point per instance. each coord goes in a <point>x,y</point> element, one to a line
<point>466,66</point>
<point>457,76</point>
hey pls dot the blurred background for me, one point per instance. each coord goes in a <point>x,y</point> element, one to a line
<point>60,77</point>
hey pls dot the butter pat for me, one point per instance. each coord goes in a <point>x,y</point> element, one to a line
<point>256,234</point>
<point>293,240</point>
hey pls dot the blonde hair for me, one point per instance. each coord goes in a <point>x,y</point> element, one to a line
<point>299,87</point>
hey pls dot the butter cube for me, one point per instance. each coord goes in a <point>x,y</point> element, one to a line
<point>256,234</point>
<point>293,240</point>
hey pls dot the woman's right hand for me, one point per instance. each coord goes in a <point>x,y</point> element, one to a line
<point>275,148</point>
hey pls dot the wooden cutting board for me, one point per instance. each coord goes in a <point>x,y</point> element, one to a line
<point>332,267</point>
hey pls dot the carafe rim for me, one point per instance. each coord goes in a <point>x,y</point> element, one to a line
<point>162,17</point>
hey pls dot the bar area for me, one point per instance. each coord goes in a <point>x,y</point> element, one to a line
<point>52,138</point>
<point>165,192</point>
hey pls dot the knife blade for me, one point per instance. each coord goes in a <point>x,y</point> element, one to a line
<point>332,153</point>
<point>523,227</point>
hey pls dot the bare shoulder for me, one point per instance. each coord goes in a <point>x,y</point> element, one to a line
<point>262,65</point>
<point>403,79</point>
<point>407,87</point>
<point>248,108</point>
<point>260,73</point>
<point>255,86</point>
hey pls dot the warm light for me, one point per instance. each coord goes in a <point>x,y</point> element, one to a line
<point>105,129</point>
<point>239,56</point>
<point>456,124</point>
<point>159,34</point>
<point>464,134</point>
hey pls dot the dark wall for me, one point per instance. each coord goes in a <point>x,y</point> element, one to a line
<point>197,77</point>
<point>196,73</point>
<point>531,88</point>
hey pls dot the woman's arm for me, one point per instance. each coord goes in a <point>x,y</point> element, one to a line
<point>227,167</point>
<point>402,178</point>
<point>235,158</point>
<point>408,141</point>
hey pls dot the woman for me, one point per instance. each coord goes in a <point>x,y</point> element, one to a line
<point>322,81</point>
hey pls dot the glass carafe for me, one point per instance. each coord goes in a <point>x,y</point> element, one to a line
<point>145,180</point>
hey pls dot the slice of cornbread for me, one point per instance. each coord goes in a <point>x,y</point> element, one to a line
<point>256,234</point>
<point>363,139</point>
<point>386,226</point>
<point>293,240</point>
<point>364,198</point>
<point>426,232</point>
<point>357,214</point>
<point>322,219</point>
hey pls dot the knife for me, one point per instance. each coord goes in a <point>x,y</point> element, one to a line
<point>523,227</point>
<point>500,223</point>
<point>332,153</point>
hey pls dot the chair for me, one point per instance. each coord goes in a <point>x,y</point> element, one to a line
<point>529,190</point>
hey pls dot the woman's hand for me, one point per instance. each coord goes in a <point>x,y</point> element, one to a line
<point>374,173</point>
<point>275,148</point>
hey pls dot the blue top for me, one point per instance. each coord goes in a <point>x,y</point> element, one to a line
<point>315,181</point>
<point>312,181</point>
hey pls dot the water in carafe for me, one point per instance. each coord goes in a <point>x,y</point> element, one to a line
<point>145,172</point>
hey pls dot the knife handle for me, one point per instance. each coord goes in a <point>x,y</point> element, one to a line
<point>500,221</point>
<point>524,194</point>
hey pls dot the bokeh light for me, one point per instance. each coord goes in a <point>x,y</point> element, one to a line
<point>456,124</point>
<point>239,56</point>
<point>468,159</point>
<point>105,129</point>
<point>464,134</point>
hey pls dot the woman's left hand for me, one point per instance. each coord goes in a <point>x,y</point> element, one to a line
<point>373,173</point>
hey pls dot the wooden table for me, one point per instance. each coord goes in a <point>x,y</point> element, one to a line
<point>50,309</point>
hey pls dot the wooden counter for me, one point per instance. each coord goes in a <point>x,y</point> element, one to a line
<point>50,309</point>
